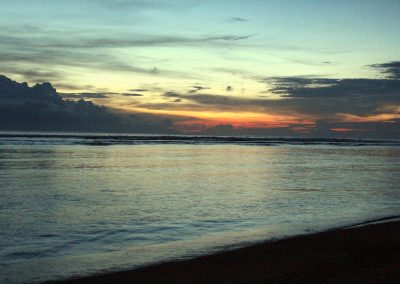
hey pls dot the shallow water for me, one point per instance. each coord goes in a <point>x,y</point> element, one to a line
<point>71,208</point>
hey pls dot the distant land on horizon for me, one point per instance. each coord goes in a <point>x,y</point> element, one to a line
<point>41,108</point>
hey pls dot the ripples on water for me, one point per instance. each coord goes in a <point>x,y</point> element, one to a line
<point>69,207</point>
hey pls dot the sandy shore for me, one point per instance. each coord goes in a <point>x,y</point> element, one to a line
<point>366,254</point>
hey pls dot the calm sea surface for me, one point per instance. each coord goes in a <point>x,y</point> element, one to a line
<point>76,205</point>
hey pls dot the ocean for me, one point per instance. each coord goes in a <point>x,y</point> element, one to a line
<point>79,204</point>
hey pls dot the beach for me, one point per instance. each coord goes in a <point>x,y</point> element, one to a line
<point>368,253</point>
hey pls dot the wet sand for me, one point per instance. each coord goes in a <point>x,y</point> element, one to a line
<point>360,254</point>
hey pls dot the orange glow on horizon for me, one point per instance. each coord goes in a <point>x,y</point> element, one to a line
<point>338,129</point>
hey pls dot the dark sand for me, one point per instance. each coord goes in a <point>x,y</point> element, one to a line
<point>367,254</point>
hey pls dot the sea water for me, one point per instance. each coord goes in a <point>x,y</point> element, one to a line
<point>73,205</point>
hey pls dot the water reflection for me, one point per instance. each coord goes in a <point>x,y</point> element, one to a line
<point>86,207</point>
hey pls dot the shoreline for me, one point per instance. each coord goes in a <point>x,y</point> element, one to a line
<point>362,253</point>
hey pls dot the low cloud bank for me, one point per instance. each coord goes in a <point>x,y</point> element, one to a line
<point>41,108</point>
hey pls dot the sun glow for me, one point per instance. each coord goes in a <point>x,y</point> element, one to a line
<point>236,119</point>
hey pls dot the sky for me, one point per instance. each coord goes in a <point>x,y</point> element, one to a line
<point>299,66</point>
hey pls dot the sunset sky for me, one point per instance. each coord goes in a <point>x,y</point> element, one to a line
<point>298,65</point>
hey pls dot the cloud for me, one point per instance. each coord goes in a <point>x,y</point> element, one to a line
<point>97,95</point>
<point>139,90</point>
<point>13,62</point>
<point>390,69</point>
<point>325,96</point>
<point>69,41</point>
<point>356,107</point>
<point>54,50</point>
<point>86,95</point>
<point>228,38</point>
<point>197,88</point>
<point>237,19</point>
<point>311,62</point>
<point>32,75</point>
<point>41,108</point>
<point>131,95</point>
<point>171,95</point>
<point>94,41</point>
<point>21,29</point>
<point>72,87</point>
